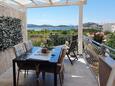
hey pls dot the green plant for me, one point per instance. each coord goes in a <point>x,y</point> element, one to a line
<point>111,40</point>
<point>64,32</point>
<point>49,43</point>
<point>35,43</point>
<point>10,32</point>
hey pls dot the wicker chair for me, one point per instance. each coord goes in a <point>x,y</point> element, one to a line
<point>60,68</point>
<point>20,51</point>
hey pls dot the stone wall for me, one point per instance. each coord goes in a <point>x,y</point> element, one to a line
<point>7,55</point>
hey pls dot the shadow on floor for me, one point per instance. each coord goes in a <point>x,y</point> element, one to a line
<point>77,75</point>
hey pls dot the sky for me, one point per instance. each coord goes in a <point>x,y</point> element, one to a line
<point>98,11</point>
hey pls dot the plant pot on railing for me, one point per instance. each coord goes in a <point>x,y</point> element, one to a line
<point>98,37</point>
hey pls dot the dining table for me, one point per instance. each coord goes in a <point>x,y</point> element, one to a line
<point>36,56</point>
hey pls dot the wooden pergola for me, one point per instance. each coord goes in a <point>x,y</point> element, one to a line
<point>23,5</point>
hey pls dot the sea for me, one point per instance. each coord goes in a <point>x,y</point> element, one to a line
<point>51,28</point>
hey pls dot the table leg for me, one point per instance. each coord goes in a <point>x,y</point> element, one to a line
<point>55,76</point>
<point>14,74</point>
<point>43,75</point>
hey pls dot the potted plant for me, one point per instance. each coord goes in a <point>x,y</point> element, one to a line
<point>47,45</point>
<point>98,37</point>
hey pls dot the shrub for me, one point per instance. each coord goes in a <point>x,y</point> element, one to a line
<point>111,40</point>
<point>64,32</point>
<point>10,32</point>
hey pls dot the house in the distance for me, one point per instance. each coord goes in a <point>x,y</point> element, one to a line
<point>109,27</point>
<point>91,25</point>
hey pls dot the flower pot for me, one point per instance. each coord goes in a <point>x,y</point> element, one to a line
<point>44,50</point>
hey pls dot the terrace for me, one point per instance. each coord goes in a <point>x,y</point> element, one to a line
<point>94,66</point>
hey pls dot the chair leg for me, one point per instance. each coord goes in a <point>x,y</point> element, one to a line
<point>37,71</point>
<point>60,78</point>
<point>37,74</point>
<point>69,59</point>
<point>43,76</point>
<point>18,77</point>
<point>25,73</point>
<point>75,56</point>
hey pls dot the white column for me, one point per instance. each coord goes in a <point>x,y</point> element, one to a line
<point>80,30</point>
<point>24,29</point>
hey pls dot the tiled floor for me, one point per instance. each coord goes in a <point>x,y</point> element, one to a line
<point>77,75</point>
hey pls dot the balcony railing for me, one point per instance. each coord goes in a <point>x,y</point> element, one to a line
<point>100,58</point>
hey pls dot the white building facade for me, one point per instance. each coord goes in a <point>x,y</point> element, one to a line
<point>109,27</point>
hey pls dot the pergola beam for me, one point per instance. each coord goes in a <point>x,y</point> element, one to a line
<point>50,1</point>
<point>35,2</point>
<point>84,1</point>
<point>57,4</point>
<point>20,8</point>
<point>67,1</point>
<point>18,3</point>
<point>50,4</point>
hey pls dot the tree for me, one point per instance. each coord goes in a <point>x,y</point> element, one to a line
<point>111,40</point>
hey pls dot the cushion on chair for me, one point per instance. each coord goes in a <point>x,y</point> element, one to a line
<point>19,49</point>
<point>28,45</point>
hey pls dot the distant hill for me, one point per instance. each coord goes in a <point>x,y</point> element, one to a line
<point>92,25</point>
<point>89,25</point>
<point>32,25</point>
<point>50,27</point>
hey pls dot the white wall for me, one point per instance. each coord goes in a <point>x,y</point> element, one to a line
<point>109,27</point>
<point>113,28</point>
<point>7,55</point>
